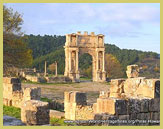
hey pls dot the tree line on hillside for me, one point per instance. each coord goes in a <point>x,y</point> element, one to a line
<point>33,50</point>
<point>56,53</point>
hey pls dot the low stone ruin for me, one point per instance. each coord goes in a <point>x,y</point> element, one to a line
<point>132,71</point>
<point>33,111</point>
<point>134,98</point>
<point>14,95</point>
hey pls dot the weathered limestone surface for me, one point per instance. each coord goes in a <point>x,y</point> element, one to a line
<point>14,95</point>
<point>33,93</point>
<point>132,71</point>
<point>12,92</point>
<point>84,112</point>
<point>116,88</point>
<point>71,101</point>
<point>104,94</point>
<point>35,112</point>
<point>56,114</point>
<point>78,44</point>
<point>35,78</point>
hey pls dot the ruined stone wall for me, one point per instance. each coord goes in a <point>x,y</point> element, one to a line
<point>132,112</point>
<point>134,98</point>
<point>14,95</point>
<point>75,106</point>
<point>84,112</point>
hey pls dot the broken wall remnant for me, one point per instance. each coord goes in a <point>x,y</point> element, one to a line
<point>132,71</point>
<point>14,94</point>
<point>75,104</point>
<point>128,99</point>
<point>35,112</point>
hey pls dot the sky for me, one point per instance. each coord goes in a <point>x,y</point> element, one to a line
<point>127,25</point>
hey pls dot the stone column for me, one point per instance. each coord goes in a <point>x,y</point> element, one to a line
<point>45,68</point>
<point>103,64</point>
<point>97,62</point>
<point>69,61</point>
<point>77,61</point>
<point>97,66</point>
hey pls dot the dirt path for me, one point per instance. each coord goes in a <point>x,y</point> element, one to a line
<point>56,91</point>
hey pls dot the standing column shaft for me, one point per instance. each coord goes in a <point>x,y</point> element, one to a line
<point>69,61</point>
<point>103,69</point>
<point>77,61</point>
<point>97,62</point>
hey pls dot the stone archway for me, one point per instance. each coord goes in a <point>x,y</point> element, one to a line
<point>83,43</point>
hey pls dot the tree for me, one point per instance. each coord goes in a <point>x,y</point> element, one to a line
<point>15,51</point>
<point>113,67</point>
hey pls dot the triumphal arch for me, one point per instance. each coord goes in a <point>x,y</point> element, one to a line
<point>78,44</point>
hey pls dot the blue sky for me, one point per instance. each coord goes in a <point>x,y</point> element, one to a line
<point>127,25</point>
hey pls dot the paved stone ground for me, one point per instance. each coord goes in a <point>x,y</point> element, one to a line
<point>56,91</point>
<point>11,121</point>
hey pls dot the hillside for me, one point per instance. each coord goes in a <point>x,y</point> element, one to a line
<point>50,49</point>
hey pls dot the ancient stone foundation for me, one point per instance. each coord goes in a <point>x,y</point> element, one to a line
<point>134,98</point>
<point>14,95</point>
<point>75,106</point>
<point>35,112</point>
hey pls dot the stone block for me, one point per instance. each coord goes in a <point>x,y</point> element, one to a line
<point>155,115</point>
<point>56,114</point>
<point>149,88</point>
<point>131,85</point>
<point>134,106</point>
<point>84,112</point>
<point>95,107</point>
<point>75,97</point>
<point>35,112</point>
<point>123,117</point>
<point>157,89</point>
<point>154,105</point>
<point>144,105</point>
<point>132,71</point>
<point>133,116</point>
<point>104,94</point>
<point>33,93</point>
<point>116,82</point>
<point>115,95</point>
<point>121,107</point>
<point>11,80</point>
<point>143,116</point>
<point>106,105</point>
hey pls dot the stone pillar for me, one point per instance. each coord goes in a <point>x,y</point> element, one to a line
<point>97,67</point>
<point>45,68</point>
<point>56,70</point>
<point>77,61</point>
<point>33,93</point>
<point>71,100</point>
<point>69,62</point>
<point>77,66</point>
<point>35,112</point>
<point>103,63</point>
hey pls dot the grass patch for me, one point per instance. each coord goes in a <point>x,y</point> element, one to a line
<point>12,111</point>
<point>59,122</point>
<point>45,99</point>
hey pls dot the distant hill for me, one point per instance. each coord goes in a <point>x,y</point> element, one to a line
<point>50,49</point>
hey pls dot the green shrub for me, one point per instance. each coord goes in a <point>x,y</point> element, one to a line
<point>12,111</point>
